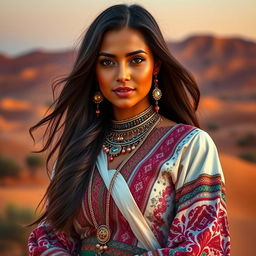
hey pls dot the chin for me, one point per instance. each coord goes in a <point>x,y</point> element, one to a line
<point>124,104</point>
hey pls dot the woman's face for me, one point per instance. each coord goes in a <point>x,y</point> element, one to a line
<point>125,69</point>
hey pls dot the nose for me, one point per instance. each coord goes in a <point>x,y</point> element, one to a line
<point>123,73</point>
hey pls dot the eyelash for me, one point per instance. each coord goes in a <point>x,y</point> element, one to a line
<point>135,58</point>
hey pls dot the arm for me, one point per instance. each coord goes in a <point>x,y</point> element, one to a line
<point>200,225</point>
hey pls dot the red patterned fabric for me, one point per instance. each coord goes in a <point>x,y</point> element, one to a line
<point>41,242</point>
<point>176,179</point>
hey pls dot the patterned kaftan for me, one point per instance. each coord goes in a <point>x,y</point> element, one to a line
<point>177,182</point>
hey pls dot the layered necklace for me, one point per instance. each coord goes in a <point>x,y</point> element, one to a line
<point>125,135</point>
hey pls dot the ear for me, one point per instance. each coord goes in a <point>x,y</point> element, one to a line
<point>157,66</point>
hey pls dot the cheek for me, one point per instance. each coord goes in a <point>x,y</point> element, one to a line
<point>100,76</point>
<point>144,76</point>
<point>104,79</point>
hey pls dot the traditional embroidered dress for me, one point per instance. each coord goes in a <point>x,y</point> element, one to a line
<point>177,181</point>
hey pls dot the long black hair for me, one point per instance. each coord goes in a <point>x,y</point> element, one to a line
<point>75,132</point>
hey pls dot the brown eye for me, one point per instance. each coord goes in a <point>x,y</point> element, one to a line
<point>106,62</point>
<point>137,60</point>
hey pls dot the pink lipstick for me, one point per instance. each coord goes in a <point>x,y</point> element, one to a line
<point>124,91</point>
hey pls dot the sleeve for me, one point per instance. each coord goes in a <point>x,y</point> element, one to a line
<point>41,242</point>
<point>45,243</point>
<point>200,225</point>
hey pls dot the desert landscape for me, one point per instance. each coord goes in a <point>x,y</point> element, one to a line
<point>225,69</point>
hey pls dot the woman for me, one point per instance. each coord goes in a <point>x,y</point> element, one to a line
<point>135,175</point>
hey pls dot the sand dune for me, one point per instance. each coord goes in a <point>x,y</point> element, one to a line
<point>25,197</point>
<point>8,125</point>
<point>14,104</point>
<point>210,104</point>
<point>241,190</point>
<point>213,104</point>
<point>240,183</point>
<point>29,73</point>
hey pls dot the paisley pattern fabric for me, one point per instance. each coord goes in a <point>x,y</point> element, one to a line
<point>177,181</point>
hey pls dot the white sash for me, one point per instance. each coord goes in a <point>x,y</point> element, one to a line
<point>127,205</point>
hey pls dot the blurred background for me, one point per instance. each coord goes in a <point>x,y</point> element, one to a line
<point>215,40</point>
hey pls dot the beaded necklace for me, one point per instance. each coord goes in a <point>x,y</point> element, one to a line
<point>126,134</point>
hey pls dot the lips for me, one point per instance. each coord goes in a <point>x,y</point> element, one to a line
<point>124,92</point>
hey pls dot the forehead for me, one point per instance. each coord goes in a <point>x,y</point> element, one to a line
<point>123,41</point>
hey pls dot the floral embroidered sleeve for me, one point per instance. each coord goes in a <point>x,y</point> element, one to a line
<point>200,225</point>
<point>44,243</point>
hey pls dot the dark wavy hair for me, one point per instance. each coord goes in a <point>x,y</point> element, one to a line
<point>74,131</point>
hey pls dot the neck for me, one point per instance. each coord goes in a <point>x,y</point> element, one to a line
<point>135,119</point>
<point>126,113</point>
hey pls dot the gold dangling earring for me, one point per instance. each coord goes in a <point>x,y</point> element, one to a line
<point>157,93</point>
<point>97,98</point>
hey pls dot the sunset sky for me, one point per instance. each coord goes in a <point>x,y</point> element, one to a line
<point>57,24</point>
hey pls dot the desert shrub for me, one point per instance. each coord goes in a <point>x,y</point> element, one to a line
<point>249,156</point>
<point>7,247</point>
<point>12,226</point>
<point>248,139</point>
<point>18,215</point>
<point>10,231</point>
<point>8,167</point>
<point>34,162</point>
<point>212,126</point>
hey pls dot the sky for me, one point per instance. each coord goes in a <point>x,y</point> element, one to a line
<point>57,24</point>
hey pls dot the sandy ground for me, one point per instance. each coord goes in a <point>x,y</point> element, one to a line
<point>25,197</point>
<point>241,190</point>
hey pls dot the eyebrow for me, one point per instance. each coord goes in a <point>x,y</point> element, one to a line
<point>126,55</point>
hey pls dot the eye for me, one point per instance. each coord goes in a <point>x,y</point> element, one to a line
<point>106,62</point>
<point>137,60</point>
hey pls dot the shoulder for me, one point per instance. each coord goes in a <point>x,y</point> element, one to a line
<point>197,134</point>
<point>202,138</point>
<point>197,143</point>
<point>183,137</point>
<point>186,134</point>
